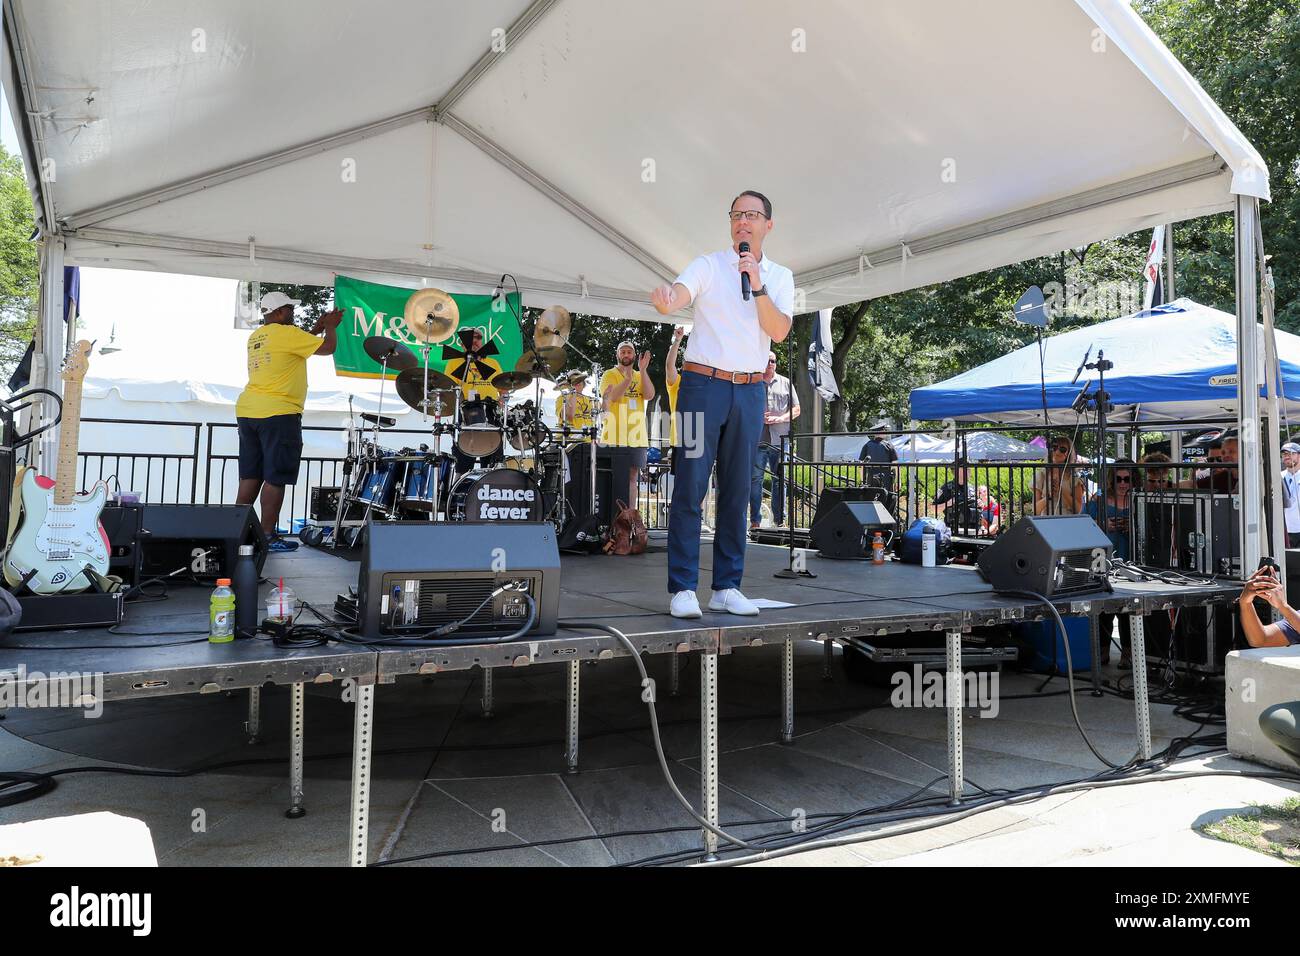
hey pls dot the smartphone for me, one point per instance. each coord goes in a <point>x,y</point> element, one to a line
<point>1267,562</point>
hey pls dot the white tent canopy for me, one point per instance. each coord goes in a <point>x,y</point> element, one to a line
<point>590,148</point>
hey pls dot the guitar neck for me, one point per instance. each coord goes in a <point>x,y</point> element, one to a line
<point>65,480</point>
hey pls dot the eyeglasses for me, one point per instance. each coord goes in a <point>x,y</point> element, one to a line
<point>749,215</point>
<point>1124,478</point>
<point>1063,449</point>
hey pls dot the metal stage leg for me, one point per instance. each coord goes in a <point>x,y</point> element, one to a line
<point>787,693</point>
<point>253,725</point>
<point>709,749</point>
<point>571,752</point>
<point>1094,635</point>
<point>954,699</point>
<point>828,655</point>
<point>363,721</point>
<point>674,675</point>
<point>1140,701</point>
<point>486,699</point>
<point>297,698</point>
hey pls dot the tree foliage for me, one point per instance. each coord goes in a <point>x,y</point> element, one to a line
<point>19,263</point>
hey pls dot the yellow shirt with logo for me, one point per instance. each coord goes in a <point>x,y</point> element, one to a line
<point>277,371</point>
<point>624,419</point>
<point>673,389</point>
<point>473,381</point>
<point>584,412</point>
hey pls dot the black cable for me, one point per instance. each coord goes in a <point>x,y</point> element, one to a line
<point>647,685</point>
<point>1069,664</point>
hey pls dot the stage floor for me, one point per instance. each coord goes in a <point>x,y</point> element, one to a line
<point>160,647</point>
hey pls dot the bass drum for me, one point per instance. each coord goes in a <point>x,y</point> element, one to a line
<point>496,496</point>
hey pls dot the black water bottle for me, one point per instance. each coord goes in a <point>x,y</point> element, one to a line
<point>244,583</point>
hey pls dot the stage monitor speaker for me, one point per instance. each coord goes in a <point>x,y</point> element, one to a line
<point>831,497</point>
<point>845,531</point>
<point>1049,555</point>
<point>204,539</point>
<point>418,575</point>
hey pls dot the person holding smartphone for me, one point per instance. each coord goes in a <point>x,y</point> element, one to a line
<point>1280,723</point>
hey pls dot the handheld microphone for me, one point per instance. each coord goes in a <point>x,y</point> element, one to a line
<point>744,276</point>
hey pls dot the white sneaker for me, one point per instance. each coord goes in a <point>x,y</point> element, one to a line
<point>733,602</point>
<point>685,604</point>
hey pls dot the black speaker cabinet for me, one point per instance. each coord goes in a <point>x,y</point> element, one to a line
<point>418,575</point>
<point>845,531</point>
<point>204,539</point>
<point>1049,555</point>
<point>830,497</point>
<point>1199,644</point>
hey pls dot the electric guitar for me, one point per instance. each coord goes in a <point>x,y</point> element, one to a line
<point>59,535</point>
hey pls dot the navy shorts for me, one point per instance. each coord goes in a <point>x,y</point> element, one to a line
<point>270,449</point>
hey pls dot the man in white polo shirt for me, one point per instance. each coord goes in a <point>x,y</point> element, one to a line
<point>722,399</point>
<point>1291,492</point>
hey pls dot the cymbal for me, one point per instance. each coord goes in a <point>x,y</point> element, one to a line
<point>509,381</point>
<point>553,327</point>
<point>546,361</point>
<point>439,399</point>
<point>399,356</point>
<point>431,315</point>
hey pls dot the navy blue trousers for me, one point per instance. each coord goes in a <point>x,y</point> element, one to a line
<point>720,422</point>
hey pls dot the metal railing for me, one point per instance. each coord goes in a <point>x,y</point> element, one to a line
<point>917,488</point>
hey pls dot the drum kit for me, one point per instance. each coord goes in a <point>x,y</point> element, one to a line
<point>476,481</point>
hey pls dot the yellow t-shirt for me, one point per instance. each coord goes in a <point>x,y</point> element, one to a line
<point>584,412</point>
<point>624,419</point>
<point>673,389</point>
<point>474,382</point>
<point>277,371</point>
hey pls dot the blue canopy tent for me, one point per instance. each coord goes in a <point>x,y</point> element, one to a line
<point>1174,362</point>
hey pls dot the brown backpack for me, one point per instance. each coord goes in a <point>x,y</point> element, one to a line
<point>627,533</point>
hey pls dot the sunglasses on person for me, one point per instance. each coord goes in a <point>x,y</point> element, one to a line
<point>1124,478</point>
<point>1063,449</point>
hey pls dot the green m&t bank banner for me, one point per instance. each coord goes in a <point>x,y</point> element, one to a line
<point>373,309</point>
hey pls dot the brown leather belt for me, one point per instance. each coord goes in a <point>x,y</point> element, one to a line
<point>735,378</point>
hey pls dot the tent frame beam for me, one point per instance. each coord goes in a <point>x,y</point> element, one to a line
<point>290,154</point>
<point>557,195</point>
<point>30,134</point>
<point>1043,213</point>
<point>349,264</point>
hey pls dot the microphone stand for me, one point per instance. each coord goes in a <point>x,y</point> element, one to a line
<point>1101,401</point>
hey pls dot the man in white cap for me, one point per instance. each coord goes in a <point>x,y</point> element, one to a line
<point>269,410</point>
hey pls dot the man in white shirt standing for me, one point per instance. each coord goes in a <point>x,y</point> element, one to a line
<point>1291,492</point>
<point>722,399</point>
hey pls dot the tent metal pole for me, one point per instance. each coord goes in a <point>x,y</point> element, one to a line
<point>351,264</point>
<point>514,33</point>
<point>1248,381</point>
<point>52,347</point>
<point>556,195</point>
<point>1035,215</point>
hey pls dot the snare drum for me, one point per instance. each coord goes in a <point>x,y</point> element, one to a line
<point>425,481</point>
<point>501,495</point>
<point>480,428</point>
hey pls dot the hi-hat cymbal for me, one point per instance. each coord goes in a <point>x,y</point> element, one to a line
<point>437,399</point>
<point>399,356</point>
<point>509,381</point>
<point>553,327</point>
<point>545,361</point>
<point>431,315</point>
